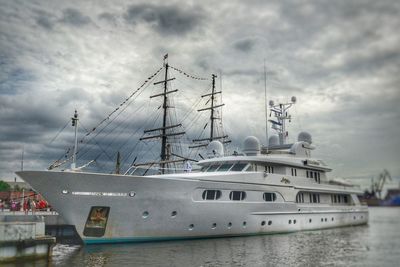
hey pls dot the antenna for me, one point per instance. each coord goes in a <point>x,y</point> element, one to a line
<point>266,105</point>
<point>22,158</point>
<point>281,115</point>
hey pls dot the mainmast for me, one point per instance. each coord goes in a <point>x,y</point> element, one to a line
<point>165,146</point>
<point>213,117</point>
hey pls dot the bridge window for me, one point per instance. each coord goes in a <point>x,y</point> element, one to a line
<point>213,168</point>
<point>238,167</point>
<point>225,167</point>
<point>237,195</point>
<point>211,194</point>
<point>269,197</point>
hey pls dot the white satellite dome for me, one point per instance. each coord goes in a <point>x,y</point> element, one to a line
<point>251,146</point>
<point>215,149</point>
<point>273,140</point>
<point>304,137</point>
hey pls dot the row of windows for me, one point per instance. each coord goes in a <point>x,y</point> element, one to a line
<point>234,195</point>
<point>237,167</point>
<point>315,198</point>
<point>315,175</point>
<point>339,198</point>
<point>294,172</point>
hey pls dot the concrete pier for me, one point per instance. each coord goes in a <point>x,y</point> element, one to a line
<point>24,239</point>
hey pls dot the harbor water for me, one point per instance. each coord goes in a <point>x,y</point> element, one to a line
<point>375,244</point>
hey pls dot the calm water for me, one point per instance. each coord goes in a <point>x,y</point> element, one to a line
<point>377,244</point>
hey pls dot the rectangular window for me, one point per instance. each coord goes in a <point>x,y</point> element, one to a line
<point>269,197</point>
<point>295,172</point>
<point>345,199</point>
<point>307,173</point>
<point>314,198</point>
<point>213,168</point>
<point>238,167</point>
<point>237,195</point>
<point>97,221</point>
<point>225,167</point>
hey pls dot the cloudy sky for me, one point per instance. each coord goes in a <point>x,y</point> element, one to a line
<point>341,59</point>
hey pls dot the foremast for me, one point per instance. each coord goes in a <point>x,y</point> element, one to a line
<point>165,154</point>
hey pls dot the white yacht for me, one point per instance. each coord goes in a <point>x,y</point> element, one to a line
<point>262,190</point>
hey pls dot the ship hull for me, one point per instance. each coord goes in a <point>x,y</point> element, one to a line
<point>151,208</point>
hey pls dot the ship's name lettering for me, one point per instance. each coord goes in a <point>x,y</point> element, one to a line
<point>107,194</point>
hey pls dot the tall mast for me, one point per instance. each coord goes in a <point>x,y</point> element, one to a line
<point>266,103</point>
<point>164,136</point>
<point>165,146</point>
<point>212,118</point>
<point>212,107</point>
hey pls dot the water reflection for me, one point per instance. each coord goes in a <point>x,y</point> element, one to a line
<point>372,245</point>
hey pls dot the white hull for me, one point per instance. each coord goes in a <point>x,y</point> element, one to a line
<point>160,197</point>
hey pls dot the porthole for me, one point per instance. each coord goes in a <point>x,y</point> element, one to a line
<point>332,219</point>
<point>244,224</point>
<point>229,225</point>
<point>65,191</point>
<point>309,220</point>
<point>354,217</point>
<point>294,221</point>
<point>173,214</point>
<point>191,227</point>
<point>214,225</point>
<point>322,219</point>
<point>269,222</point>
<point>362,217</point>
<point>262,223</point>
<point>145,214</point>
<point>326,219</point>
<point>290,221</point>
<point>132,194</point>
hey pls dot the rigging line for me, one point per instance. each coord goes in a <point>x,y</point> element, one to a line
<point>152,77</point>
<point>189,75</point>
<point>96,144</point>
<point>123,129</point>
<point>146,82</point>
<point>122,110</point>
<point>140,142</point>
<point>55,137</point>
<point>129,139</point>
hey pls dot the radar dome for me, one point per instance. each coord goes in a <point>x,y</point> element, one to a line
<point>251,146</point>
<point>304,137</point>
<point>273,140</point>
<point>215,149</point>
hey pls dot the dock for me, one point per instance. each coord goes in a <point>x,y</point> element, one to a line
<point>24,240</point>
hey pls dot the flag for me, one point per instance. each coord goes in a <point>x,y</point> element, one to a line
<point>166,56</point>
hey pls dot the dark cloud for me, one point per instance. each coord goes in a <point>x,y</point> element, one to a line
<point>245,45</point>
<point>74,17</point>
<point>109,17</point>
<point>45,22</point>
<point>166,20</point>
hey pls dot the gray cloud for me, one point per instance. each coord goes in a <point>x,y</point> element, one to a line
<point>338,57</point>
<point>245,45</point>
<point>74,17</point>
<point>166,20</point>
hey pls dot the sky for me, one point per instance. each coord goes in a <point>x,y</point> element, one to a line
<point>341,59</point>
